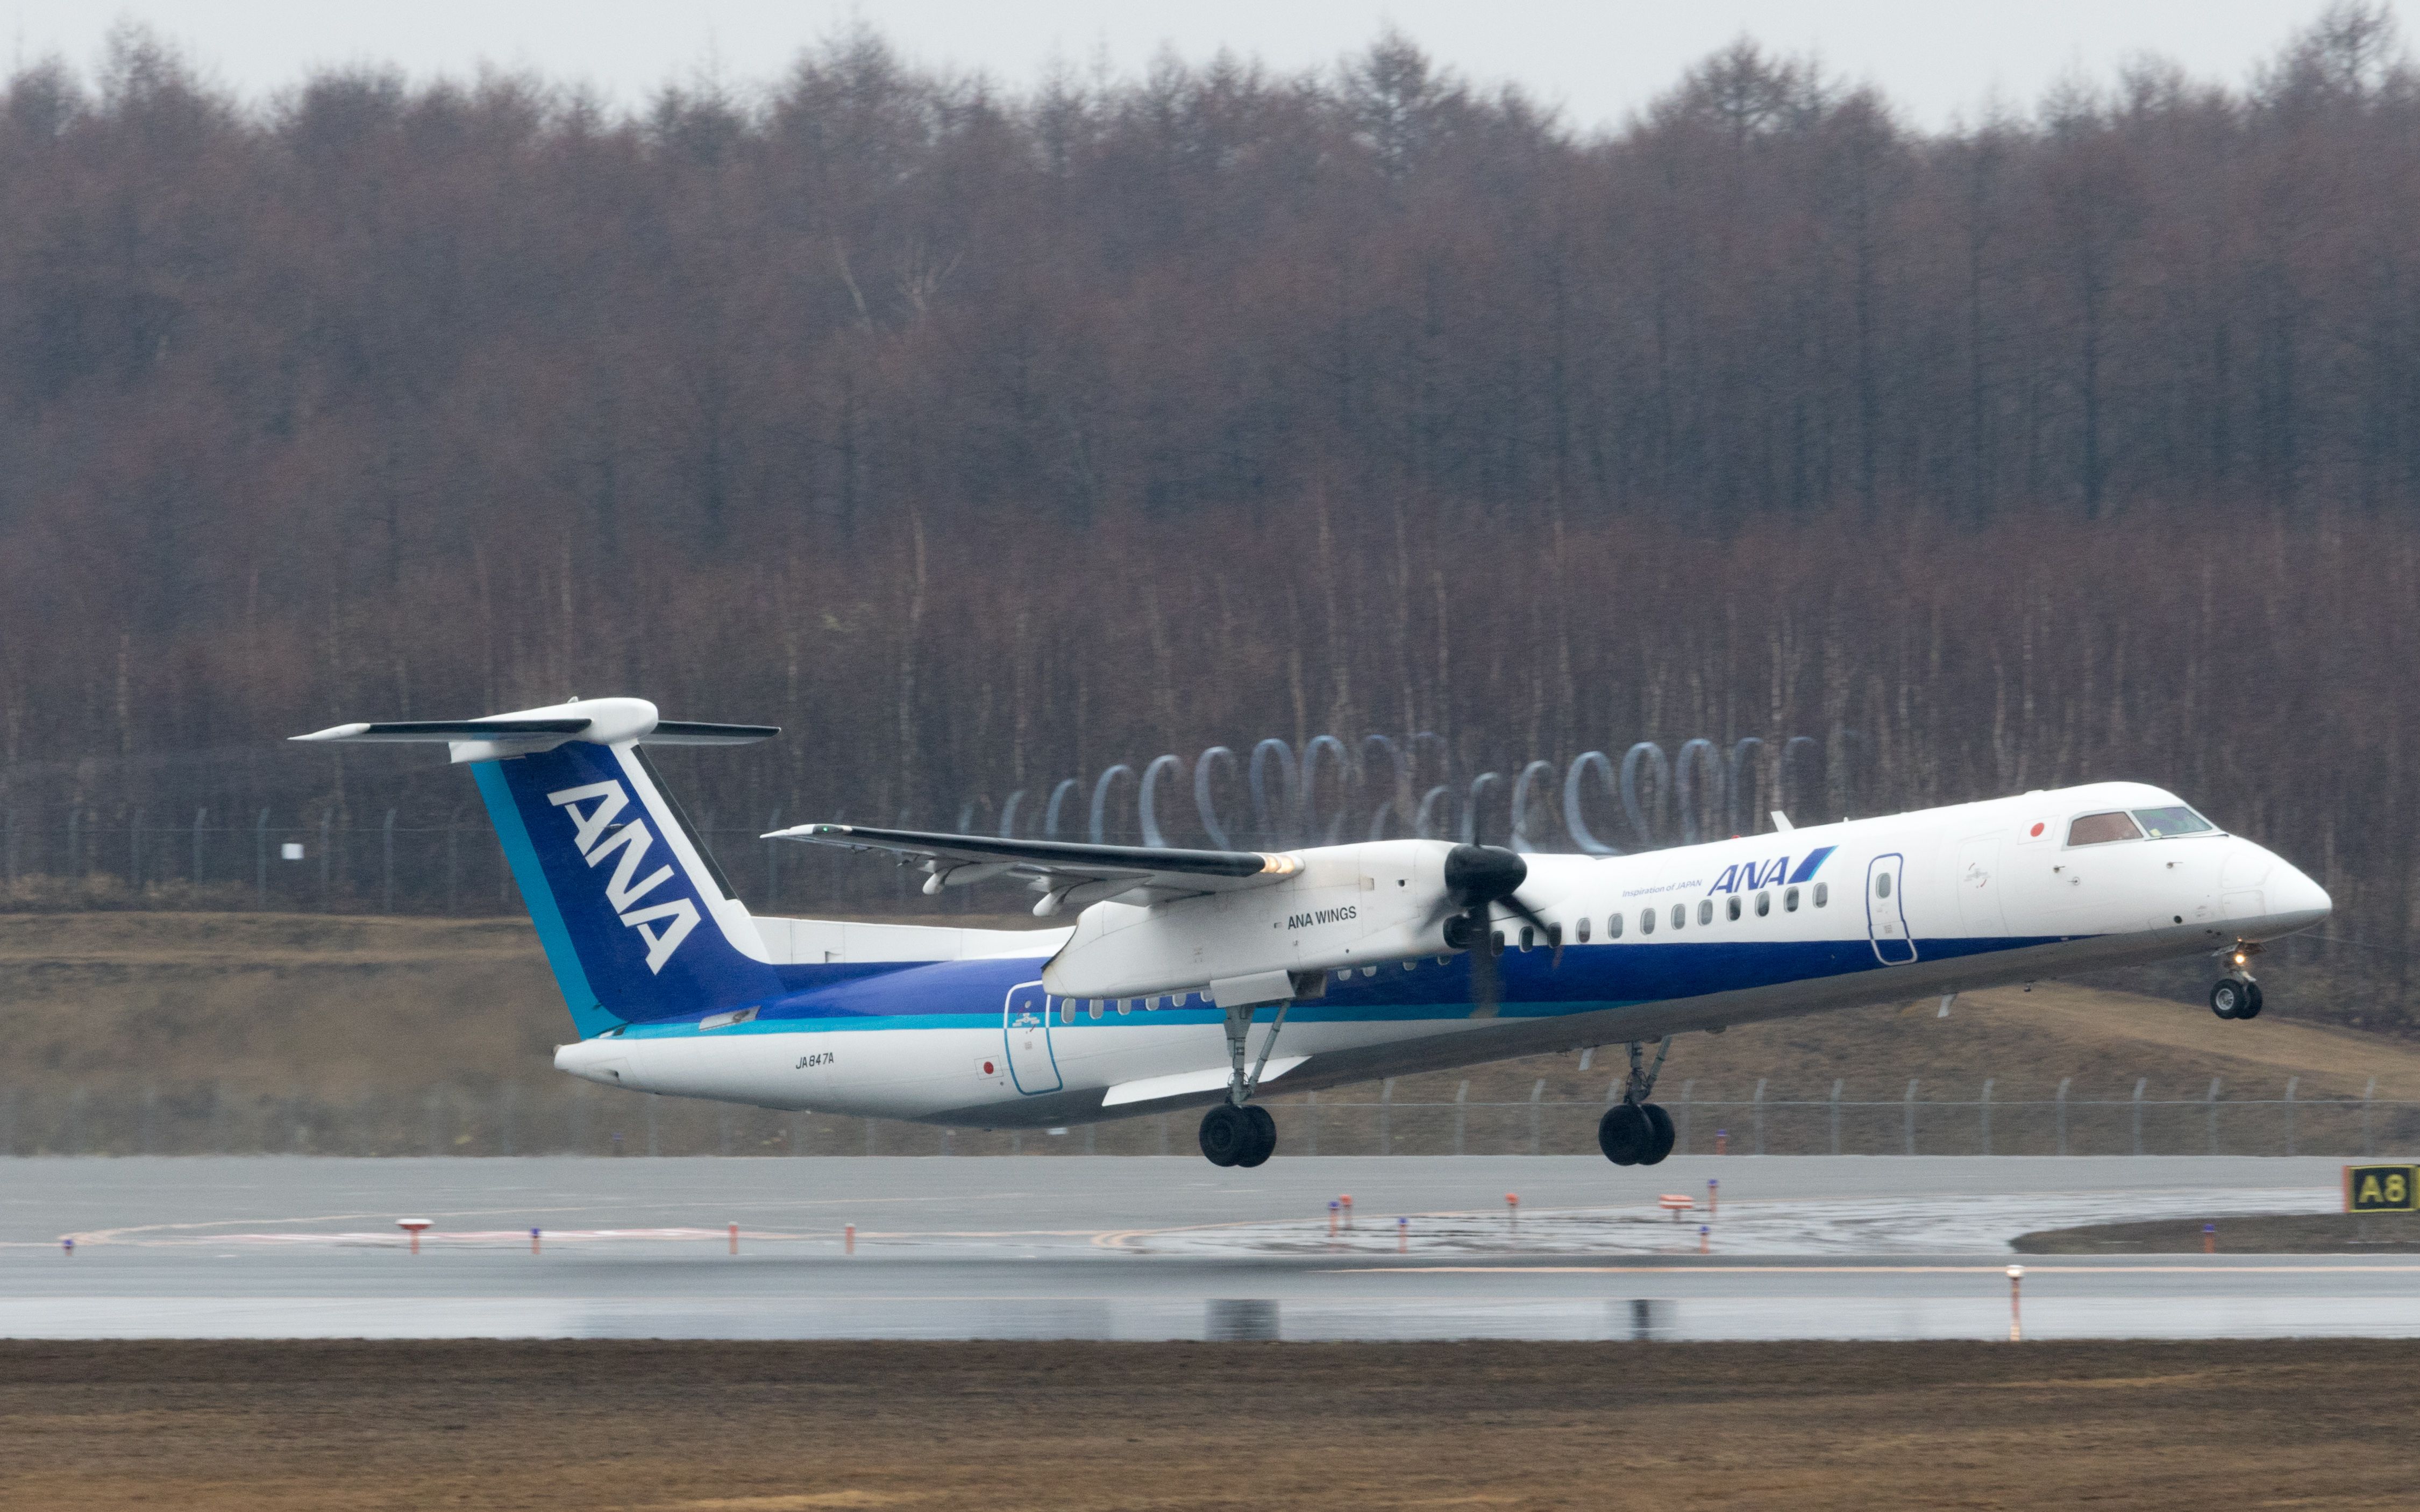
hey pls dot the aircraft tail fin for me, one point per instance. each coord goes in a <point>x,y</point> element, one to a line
<point>637,920</point>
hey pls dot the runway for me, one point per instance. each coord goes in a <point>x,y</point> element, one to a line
<point>1131,1248</point>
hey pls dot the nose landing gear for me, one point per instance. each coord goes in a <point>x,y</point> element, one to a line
<point>2235,996</point>
<point>1634,1132</point>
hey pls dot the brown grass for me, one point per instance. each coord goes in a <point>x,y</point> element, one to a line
<point>267,1003</point>
<point>2275,1233</point>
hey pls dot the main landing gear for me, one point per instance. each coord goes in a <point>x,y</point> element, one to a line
<point>1238,1132</point>
<point>1634,1132</point>
<point>2235,996</point>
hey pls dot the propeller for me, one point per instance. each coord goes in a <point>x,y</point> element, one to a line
<point>1476,878</point>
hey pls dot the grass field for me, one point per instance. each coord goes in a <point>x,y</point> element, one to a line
<point>292,1021</point>
<point>2317,1233</point>
<point>772,1428</point>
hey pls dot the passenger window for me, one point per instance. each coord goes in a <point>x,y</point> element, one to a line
<point>1882,884</point>
<point>1706,911</point>
<point>1763,904</point>
<point>1067,1010</point>
<point>2101,828</point>
<point>1680,915</point>
<point>1613,926</point>
<point>1734,906</point>
<point>1789,899</point>
<point>2160,823</point>
<point>1823,893</point>
<point>1647,922</point>
<point>1583,931</point>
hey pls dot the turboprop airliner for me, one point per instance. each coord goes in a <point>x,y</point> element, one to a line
<point>1190,978</point>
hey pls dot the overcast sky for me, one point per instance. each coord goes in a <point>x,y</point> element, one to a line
<point>1596,61</point>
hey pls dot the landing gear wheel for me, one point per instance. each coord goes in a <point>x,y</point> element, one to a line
<point>1228,1134</point>
<point>1663,1134</point>
<point>2235,998</point>
<point>1627,1135</point>
<point>1265,1135</point>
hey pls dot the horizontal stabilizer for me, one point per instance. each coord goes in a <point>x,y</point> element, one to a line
<point>691,733</point>
<point>445,729</point>
<point>610,721</point>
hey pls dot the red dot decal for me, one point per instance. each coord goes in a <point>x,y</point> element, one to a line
<point>2036,830</point>
<point>987,1071</point>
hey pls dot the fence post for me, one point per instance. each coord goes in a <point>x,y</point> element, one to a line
<point>9,849</point>
<point>74,1141</point>
<point>1759,1115</point>
<point>261,860</point>
<point>134,854</point>
<point>2369,1137</point>
<point>1907,1118</point>
<point>1309,1118</point>
<point>435,1132</point>
<point>722,1130</point>
<point>146,1141</point>
<point>655,1132</point>
<point>1682,1142</point>
<point>327,856</point>
<point>386,864</point>
<point>1836,1116</point>
<point>75,842</point>
<point>2139,1081</point>
<point>8,1121</point>
<point>773,859</point>
<point>1460,1112</point>
<point>453,862</point>
<point>798,1133</point>
<point>2062,1112</point>
<point>1537,1126</point>
<point>2290,1081</point>
<point>2213,1115</point>
<point>1163,1135</point>
<point>199,815</point>
<point>1088,1137</point>
<point>507,1108</point>
<point>869,1136</point>
<point>1386,1114</point>
<point>1987,1115</point>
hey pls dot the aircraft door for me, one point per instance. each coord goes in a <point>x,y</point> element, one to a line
<point>1980,912</point>
<point>1885,913</point>
<point>1025,1024</point>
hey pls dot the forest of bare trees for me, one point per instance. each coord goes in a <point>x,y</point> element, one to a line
<point>985,437</point>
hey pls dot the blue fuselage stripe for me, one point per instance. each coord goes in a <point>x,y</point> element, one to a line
<point>926,994</point>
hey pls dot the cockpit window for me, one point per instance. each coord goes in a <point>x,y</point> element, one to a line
<point>2101,828</point>
<point>2161,823</point>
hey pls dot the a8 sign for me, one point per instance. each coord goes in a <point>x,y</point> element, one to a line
<point>2382,1188</point>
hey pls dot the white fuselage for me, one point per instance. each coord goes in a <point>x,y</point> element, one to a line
<point>957,1027</point>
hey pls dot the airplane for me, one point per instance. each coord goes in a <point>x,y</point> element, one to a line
<point>1182,974</point>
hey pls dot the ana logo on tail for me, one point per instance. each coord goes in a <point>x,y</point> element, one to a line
<point>623,890</point>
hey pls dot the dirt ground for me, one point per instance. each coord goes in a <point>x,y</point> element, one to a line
<point>772,1427</point>
<point>2325,1233</point>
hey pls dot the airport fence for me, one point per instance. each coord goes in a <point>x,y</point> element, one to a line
<point>576,1118</point>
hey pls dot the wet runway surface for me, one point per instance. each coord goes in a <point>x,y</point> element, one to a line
<point>1146,1249</point>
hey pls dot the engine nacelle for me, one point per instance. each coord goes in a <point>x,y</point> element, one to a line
<point>1349,905</point>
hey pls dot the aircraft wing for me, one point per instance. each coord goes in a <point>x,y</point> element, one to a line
<point>1067,873</point>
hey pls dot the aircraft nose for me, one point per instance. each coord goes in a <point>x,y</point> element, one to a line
<point>2295,902</point>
